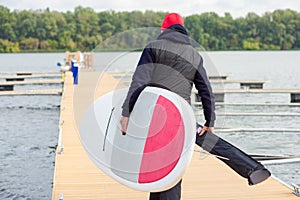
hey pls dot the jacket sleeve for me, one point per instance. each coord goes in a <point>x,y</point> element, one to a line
<point>141,78</point>
<point>203,86</point>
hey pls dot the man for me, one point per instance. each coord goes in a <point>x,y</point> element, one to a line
<point>172,63</point>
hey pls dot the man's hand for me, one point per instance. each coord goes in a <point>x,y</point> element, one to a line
<point>206,128</point>
<point>124,124</point>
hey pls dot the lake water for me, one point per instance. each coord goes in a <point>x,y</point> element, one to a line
<point>29,124</point>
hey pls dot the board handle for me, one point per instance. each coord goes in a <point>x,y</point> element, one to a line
<point>106,131</point>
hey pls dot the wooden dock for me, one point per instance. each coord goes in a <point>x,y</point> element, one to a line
<point>235,81</point>
<point>76,177</point>
<point>252,104</point>
<point>33,82</point>
<point>21,73</point>
<point>282,114</point>
<point>244,84</point>
<point>31,92</point>
<point>259,129</point>
<point>271,90</point>
<point>218,79</point>
<point>220,93</point>
<point>31,76</point>
<point>128,75</point>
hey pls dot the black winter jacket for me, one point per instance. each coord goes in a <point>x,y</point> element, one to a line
<point>172,63</point>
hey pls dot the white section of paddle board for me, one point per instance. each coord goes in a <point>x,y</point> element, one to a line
<point>159,143</point>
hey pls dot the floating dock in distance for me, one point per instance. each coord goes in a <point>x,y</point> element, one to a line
<point>27,73</point>
<point>14,79</point>
<point>6,87</point>
<point>236,81</point>
<point>76,177</point>
<point>220,93</point>
<point>128,74</point>
<point>35,82</point>
<point>31,92</point>
<point>251,104</point>
<point>254,114</point>
<point>22,77</point>
<point>217,77</point>
<point>257,90</point>
<point>230,130</point>
<point>244,84</point>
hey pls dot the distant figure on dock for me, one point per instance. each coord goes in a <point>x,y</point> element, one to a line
<point>64,67</point>
<point>172,63</point>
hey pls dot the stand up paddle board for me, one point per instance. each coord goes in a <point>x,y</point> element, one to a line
<point>158,144</point>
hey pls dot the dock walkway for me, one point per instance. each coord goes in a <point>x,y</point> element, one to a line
<point>76,177</point>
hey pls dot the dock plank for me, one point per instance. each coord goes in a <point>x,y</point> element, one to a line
<point>271,90</point>
<point>30,76</point>
<point>31,92</point>
<point>37,82</point>
<point>76,177</point>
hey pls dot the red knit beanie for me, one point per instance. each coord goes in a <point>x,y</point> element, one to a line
<point>171,19</point>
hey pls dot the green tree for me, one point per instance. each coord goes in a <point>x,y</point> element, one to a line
<point>8,47</point>
<point>7,21</point>
<point>27,24</point>
<point>29,44</point>
<point>86,21</point>
<point>84,29</point>
<point>250,44</point>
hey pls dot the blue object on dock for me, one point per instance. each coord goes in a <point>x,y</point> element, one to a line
<point>74,69</point>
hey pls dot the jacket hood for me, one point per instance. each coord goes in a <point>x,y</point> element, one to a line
<point>176,33</point>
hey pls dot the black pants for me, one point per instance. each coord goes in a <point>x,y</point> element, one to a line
<point>173,193</point>
<point>240,162</point>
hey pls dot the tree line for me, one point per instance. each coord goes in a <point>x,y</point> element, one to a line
<point>83,29</point>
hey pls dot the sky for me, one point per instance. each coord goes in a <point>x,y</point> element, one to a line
<point>237,8</point>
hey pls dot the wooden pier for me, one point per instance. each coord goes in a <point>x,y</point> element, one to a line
<point>76,177</point>
<point>259,129</point>
<point>271,90</point>
<point>244,84</point>
<point>128,75</point>
<point>31,92</point>
<point>32,82</point>
<point>236,81</point>
<point>252,104</point>
<point>25,73</point>
<point>220,93</point>
<point>200,113</point>
<point>20,77</point>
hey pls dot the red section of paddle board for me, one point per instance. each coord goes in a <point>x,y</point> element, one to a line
<point>164,143</point>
